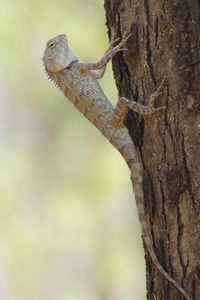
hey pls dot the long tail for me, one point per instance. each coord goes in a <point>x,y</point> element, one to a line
<point>137,181</point>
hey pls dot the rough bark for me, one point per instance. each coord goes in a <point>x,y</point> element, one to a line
<point>165,42</point>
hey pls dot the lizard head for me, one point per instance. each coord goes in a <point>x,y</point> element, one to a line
<point>57,55</point>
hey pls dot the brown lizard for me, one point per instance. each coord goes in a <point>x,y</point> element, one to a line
<point>78,81</point>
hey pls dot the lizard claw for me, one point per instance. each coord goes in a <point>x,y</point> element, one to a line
<point>126,36</point>
<point>156,94</point>
<point>123,49</point>
<point>113,42</point>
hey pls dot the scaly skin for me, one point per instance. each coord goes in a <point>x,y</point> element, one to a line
<point>77,80</point>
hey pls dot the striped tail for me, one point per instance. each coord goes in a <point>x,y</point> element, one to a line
<point>137,181</point>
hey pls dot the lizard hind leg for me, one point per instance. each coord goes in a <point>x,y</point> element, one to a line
<point>124,104</point>
<point>120,112</point>
<point>122,107</point>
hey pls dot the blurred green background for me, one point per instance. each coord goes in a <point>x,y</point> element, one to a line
<point>68,227</point>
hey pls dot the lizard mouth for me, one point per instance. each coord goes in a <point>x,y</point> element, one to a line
<point>47,61</point>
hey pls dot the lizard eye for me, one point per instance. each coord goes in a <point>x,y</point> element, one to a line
<point>52,45</point>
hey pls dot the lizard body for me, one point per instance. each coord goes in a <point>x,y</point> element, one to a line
<point>77,80</point>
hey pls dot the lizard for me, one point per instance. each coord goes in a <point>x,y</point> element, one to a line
<point>78,82</point>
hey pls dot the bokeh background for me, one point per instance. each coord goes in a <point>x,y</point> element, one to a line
<point>68,224</point>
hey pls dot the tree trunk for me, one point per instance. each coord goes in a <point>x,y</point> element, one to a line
<point>165,42</point>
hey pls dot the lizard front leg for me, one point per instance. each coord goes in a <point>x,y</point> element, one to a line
<point>124,104</point>
<point>97,74</point>
<point>105,58</point>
